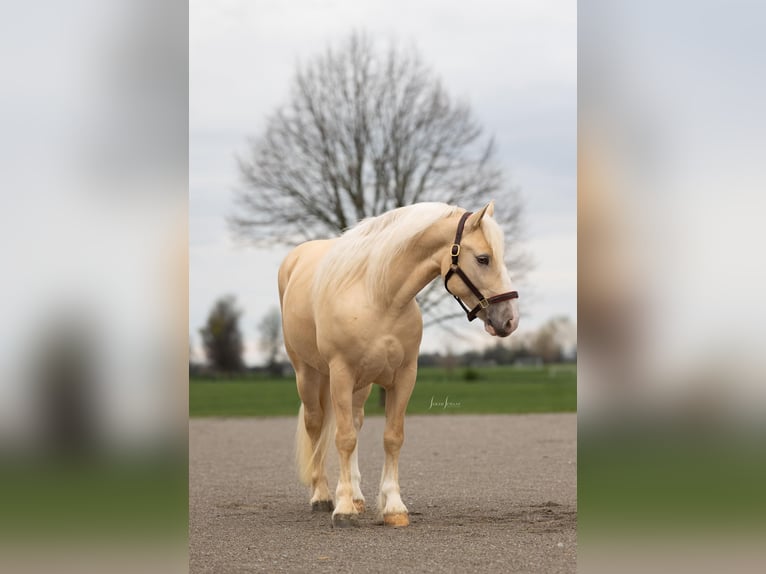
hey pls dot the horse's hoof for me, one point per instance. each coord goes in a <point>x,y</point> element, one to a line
<point>359,504</point>
<point>344,520</point>
<point>322,506</point>
<point>397,519</point>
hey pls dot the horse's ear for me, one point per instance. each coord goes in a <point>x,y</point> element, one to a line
<point>475,219</point>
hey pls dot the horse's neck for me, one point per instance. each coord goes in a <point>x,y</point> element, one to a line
<point>420,263</point>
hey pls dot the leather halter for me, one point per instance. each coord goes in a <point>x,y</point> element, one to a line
<point>455,270</point>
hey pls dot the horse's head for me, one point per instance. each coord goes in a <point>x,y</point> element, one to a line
<point>474,271</point>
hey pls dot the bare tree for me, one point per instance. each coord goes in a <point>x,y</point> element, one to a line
<point>551,339</point>
<point>362,133</point>
<point>270,329</point>
<point>221,336</point>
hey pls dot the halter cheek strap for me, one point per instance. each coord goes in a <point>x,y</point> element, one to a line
<point>456,270</point>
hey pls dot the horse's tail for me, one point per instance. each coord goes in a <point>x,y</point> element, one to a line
<point>305,455</point>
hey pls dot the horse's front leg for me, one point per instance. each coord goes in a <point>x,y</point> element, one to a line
<point>341,389</point>
<point>390,502</point>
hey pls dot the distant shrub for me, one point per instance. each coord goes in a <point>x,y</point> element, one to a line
<point>471,374</point>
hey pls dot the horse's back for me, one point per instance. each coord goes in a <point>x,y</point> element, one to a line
<point>301,263</point>
<point>296,279</point>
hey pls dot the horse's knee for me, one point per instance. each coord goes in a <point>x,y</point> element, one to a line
<point>393,440</point>
<point>345,440</point>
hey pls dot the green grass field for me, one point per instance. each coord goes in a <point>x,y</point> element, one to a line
<point>670,477</point>
<point>491,390</point>
<point>66,500</point>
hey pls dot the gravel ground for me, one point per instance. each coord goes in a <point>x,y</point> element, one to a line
<point>491,493</point>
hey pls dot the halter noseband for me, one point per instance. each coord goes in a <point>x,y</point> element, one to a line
<point>455,270</point>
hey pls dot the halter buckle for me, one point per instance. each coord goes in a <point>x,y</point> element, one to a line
<point>484,303</point>
<point>455,251</point>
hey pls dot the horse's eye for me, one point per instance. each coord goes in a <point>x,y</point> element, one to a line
<point>482,259</point>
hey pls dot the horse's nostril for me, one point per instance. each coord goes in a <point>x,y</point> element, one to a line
<point>508,324</point>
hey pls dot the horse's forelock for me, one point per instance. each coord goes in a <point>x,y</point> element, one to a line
<point>493,234</point>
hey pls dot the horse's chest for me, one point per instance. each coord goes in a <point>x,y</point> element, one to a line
<point>379,360</point>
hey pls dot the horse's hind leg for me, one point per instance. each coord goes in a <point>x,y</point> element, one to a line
<point>390,502</point>
<point>314,435</point>
<point>360,397</point>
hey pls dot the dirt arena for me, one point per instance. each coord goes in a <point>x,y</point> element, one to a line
<point>490,493</point>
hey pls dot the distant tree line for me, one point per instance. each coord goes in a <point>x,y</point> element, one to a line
<point>223,343</point>
<point>221,336</point>
<point>554,342</point>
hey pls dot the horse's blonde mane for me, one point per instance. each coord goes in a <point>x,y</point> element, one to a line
<point>365,250</point>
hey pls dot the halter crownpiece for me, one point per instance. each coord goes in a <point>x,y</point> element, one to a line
<point>455,270</point>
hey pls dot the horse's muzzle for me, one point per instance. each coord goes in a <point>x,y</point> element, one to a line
<point>502,319</point>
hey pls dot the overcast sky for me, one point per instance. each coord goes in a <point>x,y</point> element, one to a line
<point>515,62</point>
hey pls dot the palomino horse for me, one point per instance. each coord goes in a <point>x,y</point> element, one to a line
<point>350,319</point>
